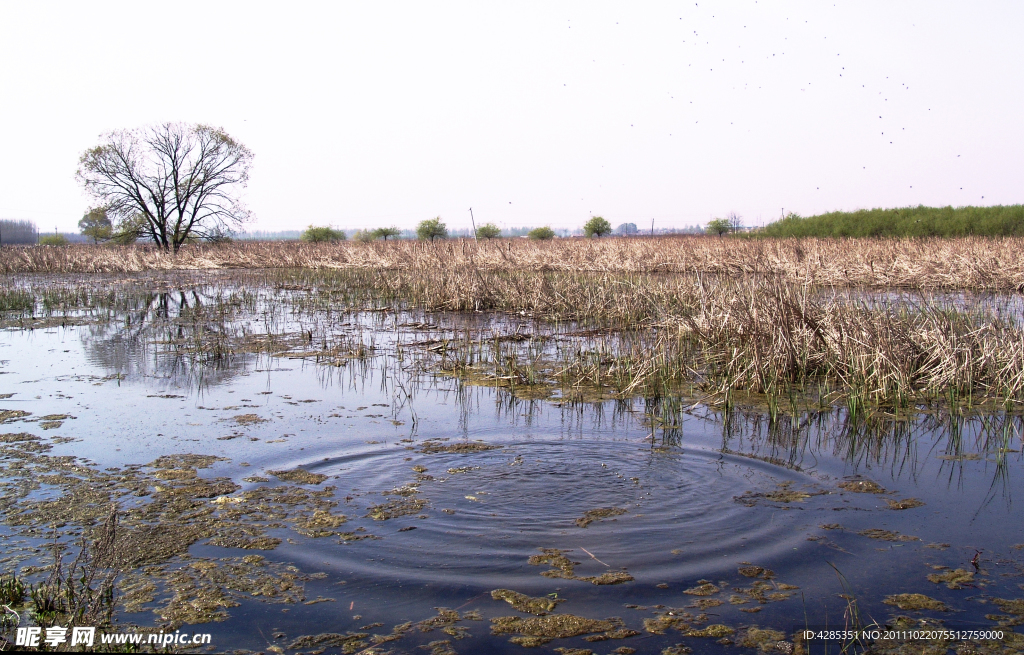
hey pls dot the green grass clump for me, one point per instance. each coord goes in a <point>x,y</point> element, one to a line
<point>920,221</point>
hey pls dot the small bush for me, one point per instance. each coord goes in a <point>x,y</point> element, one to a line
<point>53,240</point>
<point>597,226</point>
<point>542,233</point>
<point>321,234</point>
<point>364,236</point>
<point>488,231</point>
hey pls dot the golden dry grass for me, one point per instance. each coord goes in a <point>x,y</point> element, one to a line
<point>960,263</point>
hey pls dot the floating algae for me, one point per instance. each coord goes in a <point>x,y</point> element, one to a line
<point>321,524</point>
<point>349,643</point>
<point>906,503</point>
<point>954,579</point>
<point>887,535</point>
<point>703,589</point>
<point>563,567</point>
<point>432,447</point>
<point>523,603</point>
<point>301,476</point>
<point>597,514</point>
<point>753,571</point>
<point>395,508</point>
<point>540,630</point>
<point>765,641</point>
<point>446,620</point>
<point>12,415</point>
<point>915,602</point>
<point>248,419</point>
<point>440,647</point>
<point>462,469</point>
<point>659,624</point>
<point>782,494</point>
<point>862,487</point>
<point>715,631</point>
<point>248,543</point>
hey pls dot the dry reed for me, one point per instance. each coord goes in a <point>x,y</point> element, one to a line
<point>959,263</point>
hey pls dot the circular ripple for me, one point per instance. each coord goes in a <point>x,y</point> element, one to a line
<point>484,519</point>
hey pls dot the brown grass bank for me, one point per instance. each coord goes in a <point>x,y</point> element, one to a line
<point>961,263</point>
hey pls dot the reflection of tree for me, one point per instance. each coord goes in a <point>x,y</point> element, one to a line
<point>133,342</point>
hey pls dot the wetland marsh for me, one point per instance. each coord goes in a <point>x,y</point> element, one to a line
<point>375,460</point>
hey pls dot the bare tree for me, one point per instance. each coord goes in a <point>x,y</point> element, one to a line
<point>180,178</point>
<point>735,222</point>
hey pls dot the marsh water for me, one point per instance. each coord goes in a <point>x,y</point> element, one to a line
<point>334,491</point>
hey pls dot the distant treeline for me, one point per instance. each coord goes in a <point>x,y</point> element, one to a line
<point>17,232</point>
<point>920,221</point>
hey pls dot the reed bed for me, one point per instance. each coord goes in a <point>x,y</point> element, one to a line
<point>927,263</point>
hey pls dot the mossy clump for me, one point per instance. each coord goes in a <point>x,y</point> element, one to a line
<point>906,503</point>
<point>18,437</point>
<point>659,624</point>
<point>715,631</point>
<point>954,579</point>
<point>248,419</point>
<point>350,642</point>
<point>565,568</point>
<point>753,571</point>
<point>395,508</point>
<point>678,649</point>
<point>887,535</point>
<point>12,415</point>
<point>247,543</point>
<point>612,577</point>
<point>597,514</point>
<point>321,524</point>
<point>300,476</point>
<point>434,447</point>
<point>783,493</point>
<point>703,589</point>
<point>862,487</point>
<point>523,603</point>
<point>915,602</point>
<point>542,629</point>
<point>765,640</point>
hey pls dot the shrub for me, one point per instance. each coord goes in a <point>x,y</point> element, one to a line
<point>431,229</point>
<point>542,233</point>
<point>920,221</point>
<point>597,226</point>
<point>364,236</point>
<point>488,231</point>
<point>385,232</point>
<point>53,240</point>
<point>320,234</point>
<point>718,226</point>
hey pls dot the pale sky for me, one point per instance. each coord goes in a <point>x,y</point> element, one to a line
<point>532,113</point>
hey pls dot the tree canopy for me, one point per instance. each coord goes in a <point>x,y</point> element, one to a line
<point>488,231</point>
<point>385,232</point>
<point>181,179</point>
<point>314,234</point>
<point>718,226</point>
<point>96,225</point>
<point>596,226</point>
<point>431,229</point>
